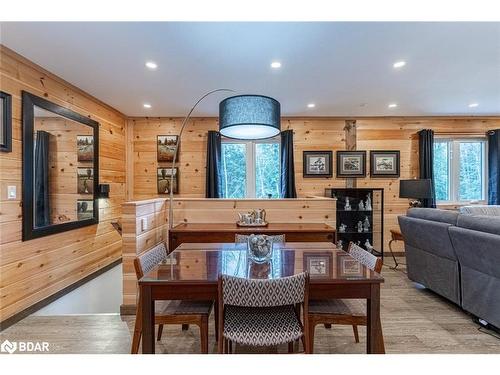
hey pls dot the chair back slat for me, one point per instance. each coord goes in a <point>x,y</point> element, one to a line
<point>150,259</point>
<point>243,292</point>
<point>243,238</point>
<point>365,258</point>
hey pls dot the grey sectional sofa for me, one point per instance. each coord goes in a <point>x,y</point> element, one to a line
<point>457,256</point>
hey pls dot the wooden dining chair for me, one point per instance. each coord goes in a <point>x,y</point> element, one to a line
<point>343,311</point>
<point>262,312</point>
<point>169,312</point>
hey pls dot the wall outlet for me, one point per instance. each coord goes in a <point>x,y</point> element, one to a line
<point>11,192</point>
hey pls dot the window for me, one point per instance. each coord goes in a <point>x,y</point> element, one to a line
<point>251,169</point>
<point>460,170</point>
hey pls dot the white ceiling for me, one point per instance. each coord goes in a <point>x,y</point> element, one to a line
<point>344,68</point>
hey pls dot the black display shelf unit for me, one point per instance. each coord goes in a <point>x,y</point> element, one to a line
<point>375,217</point>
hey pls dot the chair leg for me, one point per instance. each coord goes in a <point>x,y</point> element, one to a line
<point>204,334</point>
<point>136,340</point>
<point>312,327</point>
<point>185,327</point>
<point>290,347</point>
<point>230,346</point>
<point>356,334</point>
<point>226,346</point>
<point>216,317</point>
<point>160,331</point>
<point>328,326</point>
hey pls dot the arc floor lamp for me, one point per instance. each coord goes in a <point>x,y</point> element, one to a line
<point>247,117</point>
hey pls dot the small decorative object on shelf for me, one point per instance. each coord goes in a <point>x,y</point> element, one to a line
<point>255,218</point>
<point>361,206</point>
<point>368,246</point>
<point>260,248</point>
<point>360,226</point>
<point>340,244</point>
<point>347,206</point>
<point>366,224</point>
<point>342,228</point>
<point>368,204</point>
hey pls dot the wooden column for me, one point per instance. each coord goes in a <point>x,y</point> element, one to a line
<point>350,145</point>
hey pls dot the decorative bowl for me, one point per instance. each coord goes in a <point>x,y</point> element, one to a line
<point>260,248</point>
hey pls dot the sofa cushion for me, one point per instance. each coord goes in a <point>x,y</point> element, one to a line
<point>480,210</point>
<point>434,214</point>
<point>488,224</point>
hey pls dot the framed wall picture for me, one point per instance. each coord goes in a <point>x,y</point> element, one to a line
<point>318,264</point>
<point>5,122</point>
<point>85,148</point>
<point>317,163</point>
<point>85,177</point>
<point>166,147</point>
<point>84,209</point>
<point>163,177</point>
<point>351,164</point>
<point>384,164</point>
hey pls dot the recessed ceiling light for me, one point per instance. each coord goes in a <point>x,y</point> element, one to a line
<point>275,65</point>
<point>311,105</point>
<point>399,64</point>
<point>151,65</point>
<point>392,105</point>
<point>473,105</point>
<point>146,105</point>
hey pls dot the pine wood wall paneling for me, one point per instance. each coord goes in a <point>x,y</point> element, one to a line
<point>33,270</point>
<point>317,133</point>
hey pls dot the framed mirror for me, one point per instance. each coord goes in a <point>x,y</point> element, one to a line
<point>60,168</point>
<point>6,122</point>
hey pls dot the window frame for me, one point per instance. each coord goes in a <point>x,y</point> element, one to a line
<point>454,170</point>
<point>250,166</point>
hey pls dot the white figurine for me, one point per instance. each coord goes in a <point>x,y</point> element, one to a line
<point>342,228</point>
<point>368,204</point>
<point>361,206</point>
<point>366,224</point>
<point>340,245</point>
<point>347,206</point>
<point>360,226</point>
<point>368,245</point>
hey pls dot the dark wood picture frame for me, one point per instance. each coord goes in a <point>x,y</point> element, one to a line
<point>324,256</point>
<point>328,155</point>
<point>28,121</point>
<point>373,156</point>
<point>158,153</point>
<point>341,171</point>
<point>176,180</point>
<point>6,125</point>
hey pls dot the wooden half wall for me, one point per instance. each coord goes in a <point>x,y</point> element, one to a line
<point>145,223</point>
<point>34,270</point>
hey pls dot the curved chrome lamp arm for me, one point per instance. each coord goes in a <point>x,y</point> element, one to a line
<point>184,122</point>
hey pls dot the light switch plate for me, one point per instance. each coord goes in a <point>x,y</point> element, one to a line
<point>11,192</point>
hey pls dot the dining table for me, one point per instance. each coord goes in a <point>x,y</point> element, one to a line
<point>191,272</point>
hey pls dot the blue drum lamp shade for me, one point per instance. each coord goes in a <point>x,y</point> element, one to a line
<point>249,117</point>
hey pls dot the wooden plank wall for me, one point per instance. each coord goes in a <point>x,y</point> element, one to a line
<point>380,133</point>
<point>33,270</point>
<point>137,237</point>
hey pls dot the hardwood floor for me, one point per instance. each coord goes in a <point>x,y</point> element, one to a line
<point>414,320</point>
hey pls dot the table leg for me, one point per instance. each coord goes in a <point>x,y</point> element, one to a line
<point>148,321</point>
<point>374,337</point>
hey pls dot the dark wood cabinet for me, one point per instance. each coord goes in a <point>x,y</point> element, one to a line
<point>215,233</point>
<point>351,217</point>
